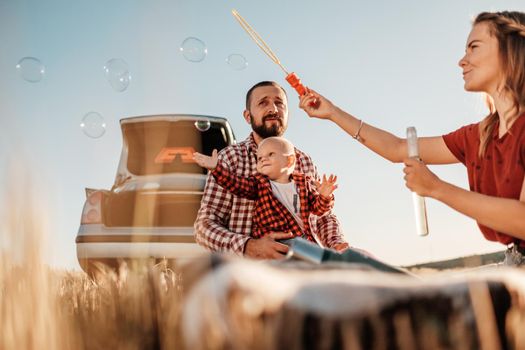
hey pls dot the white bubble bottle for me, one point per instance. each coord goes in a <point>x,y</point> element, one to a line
<point>419,202</point>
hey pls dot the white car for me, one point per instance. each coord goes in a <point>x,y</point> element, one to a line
<point>150,210</point>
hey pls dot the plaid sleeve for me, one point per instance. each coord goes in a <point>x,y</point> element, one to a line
<point>212,219</point>
<point>245,187</point>
<point>321,205</point>
<point>327,227</point>
<point>318,204</point>
<point>328,230</point>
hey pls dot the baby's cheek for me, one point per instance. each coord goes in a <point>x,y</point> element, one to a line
<point>266,171</point>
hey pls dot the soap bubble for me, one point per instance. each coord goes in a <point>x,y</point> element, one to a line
<point>202,125</point>
<point>117,74</point>
<point>193,49</point>
<point>31,69</point>
<point>93,125</point>
<point>237,61</point>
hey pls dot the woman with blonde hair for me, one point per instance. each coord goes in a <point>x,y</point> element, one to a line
<point>492,150</point>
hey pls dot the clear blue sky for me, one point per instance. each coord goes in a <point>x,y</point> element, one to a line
<point>392,63</point>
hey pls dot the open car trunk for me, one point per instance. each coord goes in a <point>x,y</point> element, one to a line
<point>165,144</point>
<point>158,183</point>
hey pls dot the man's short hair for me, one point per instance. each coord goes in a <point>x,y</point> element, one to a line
<point>259,84</point>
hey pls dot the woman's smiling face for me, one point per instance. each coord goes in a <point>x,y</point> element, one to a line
<point>482,71</point>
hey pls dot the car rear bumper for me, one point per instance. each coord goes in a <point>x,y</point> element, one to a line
<point>138,250</point>
<point>96,242</point>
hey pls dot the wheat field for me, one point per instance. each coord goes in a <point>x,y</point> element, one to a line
<point>46,308</point>
<point>244,305</point>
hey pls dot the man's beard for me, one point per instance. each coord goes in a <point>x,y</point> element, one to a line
<point>276,129</point>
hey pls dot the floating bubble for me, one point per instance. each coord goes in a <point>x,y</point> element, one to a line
<point>202,125</point>
<point>117,74</point>
<point>31,69</point>
<point>237,61</point>
<point>193,49</point>
<point>93,125</point>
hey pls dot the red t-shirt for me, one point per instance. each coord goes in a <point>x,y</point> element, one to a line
<point>500,173</point>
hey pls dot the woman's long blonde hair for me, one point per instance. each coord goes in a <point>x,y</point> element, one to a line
<point>509,30</point>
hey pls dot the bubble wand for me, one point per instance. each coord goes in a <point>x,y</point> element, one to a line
<point>291,78</point>
<point>418,201</point>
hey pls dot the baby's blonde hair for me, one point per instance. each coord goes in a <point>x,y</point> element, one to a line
<point>286,146</point>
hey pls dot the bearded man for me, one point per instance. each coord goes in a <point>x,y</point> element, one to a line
<point>224,220</point>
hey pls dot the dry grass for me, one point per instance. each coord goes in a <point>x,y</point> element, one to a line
<point>42,308</point>
<point>140,307</point>
<point>45,309</point>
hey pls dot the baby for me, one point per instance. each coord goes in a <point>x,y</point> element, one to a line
<point>284,199</point>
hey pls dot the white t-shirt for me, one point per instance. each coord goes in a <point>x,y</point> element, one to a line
<point>289,196</point>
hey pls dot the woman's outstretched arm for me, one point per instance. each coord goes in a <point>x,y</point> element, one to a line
<point>432,150</point>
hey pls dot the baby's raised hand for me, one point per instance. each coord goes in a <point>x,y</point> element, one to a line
<point>206,161</point>
<point>327,186</point>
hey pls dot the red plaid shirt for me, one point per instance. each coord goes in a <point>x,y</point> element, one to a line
<point>270,215</point>
<point>224,221</point>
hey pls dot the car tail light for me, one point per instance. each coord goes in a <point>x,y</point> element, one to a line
<point>92,212</point>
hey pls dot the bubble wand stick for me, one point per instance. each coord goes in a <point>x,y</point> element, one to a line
<point>291,78</point>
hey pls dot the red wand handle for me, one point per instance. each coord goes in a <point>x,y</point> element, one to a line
<point>295,82</point>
